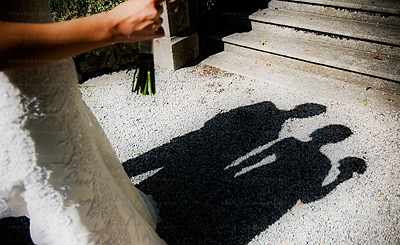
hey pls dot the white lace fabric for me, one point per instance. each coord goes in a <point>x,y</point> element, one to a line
<point>57,166</point>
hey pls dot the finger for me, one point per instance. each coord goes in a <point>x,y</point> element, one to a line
<point>159,7</point>
<point>160,32</point>
<point>160,10</point>
<point>151,27</point>
<point>159,3</point>
<point>157,23</point>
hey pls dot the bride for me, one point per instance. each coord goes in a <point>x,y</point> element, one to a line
<point>57,166</point>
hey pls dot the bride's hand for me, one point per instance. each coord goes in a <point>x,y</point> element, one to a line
<point>136,20</point>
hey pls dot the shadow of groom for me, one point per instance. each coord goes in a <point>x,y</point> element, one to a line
<point>201,201</point>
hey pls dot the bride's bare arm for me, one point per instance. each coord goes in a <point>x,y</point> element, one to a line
<point>25,45</point>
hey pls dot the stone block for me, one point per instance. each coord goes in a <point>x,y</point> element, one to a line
<point>175,52</point>
<point>180,45</point>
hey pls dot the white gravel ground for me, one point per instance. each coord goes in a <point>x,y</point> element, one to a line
<point>365,209</point>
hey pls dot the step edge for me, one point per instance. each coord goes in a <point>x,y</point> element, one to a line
<point>346,5</point>
<point>340,33</point>
<point>373,73</point>
<point>337,12</point>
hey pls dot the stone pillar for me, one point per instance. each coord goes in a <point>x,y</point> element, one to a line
<point>180,44</point>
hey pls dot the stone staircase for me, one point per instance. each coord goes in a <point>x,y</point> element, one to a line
<point>351,40</point>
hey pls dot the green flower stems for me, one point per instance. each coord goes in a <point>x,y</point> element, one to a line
<point>144,77</point>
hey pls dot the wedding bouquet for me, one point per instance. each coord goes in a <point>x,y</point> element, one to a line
<point>144,78</point>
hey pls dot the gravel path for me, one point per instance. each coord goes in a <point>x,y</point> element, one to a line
<point>234,160</point>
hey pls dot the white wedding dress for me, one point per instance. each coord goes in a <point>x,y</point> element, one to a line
<point>57,166</point>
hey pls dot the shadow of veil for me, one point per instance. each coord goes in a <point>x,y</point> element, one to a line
<point>203,201</point>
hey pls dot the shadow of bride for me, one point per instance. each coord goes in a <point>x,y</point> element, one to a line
<point>202,202</point>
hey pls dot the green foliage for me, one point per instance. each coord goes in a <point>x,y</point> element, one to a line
<point>144,76</point>
<point>82,86</point>
<point>263,42</point>
<point>365,101</point>
<point>62,10</point>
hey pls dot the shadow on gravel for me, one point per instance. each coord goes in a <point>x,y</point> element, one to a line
<point>203,201</point>
<point>15,231</point>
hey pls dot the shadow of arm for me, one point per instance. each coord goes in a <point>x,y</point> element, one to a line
<point>348,166</point>
<point>146,162</point>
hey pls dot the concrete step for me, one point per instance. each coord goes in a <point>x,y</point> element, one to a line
<point>243,24</point>
<point>323,81</point>
<point>337,42</point>
<point>379,6</point>
<point>347,59</point>
<point>360,12</point>
<point>355,41</point>
<point>339,27</point>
